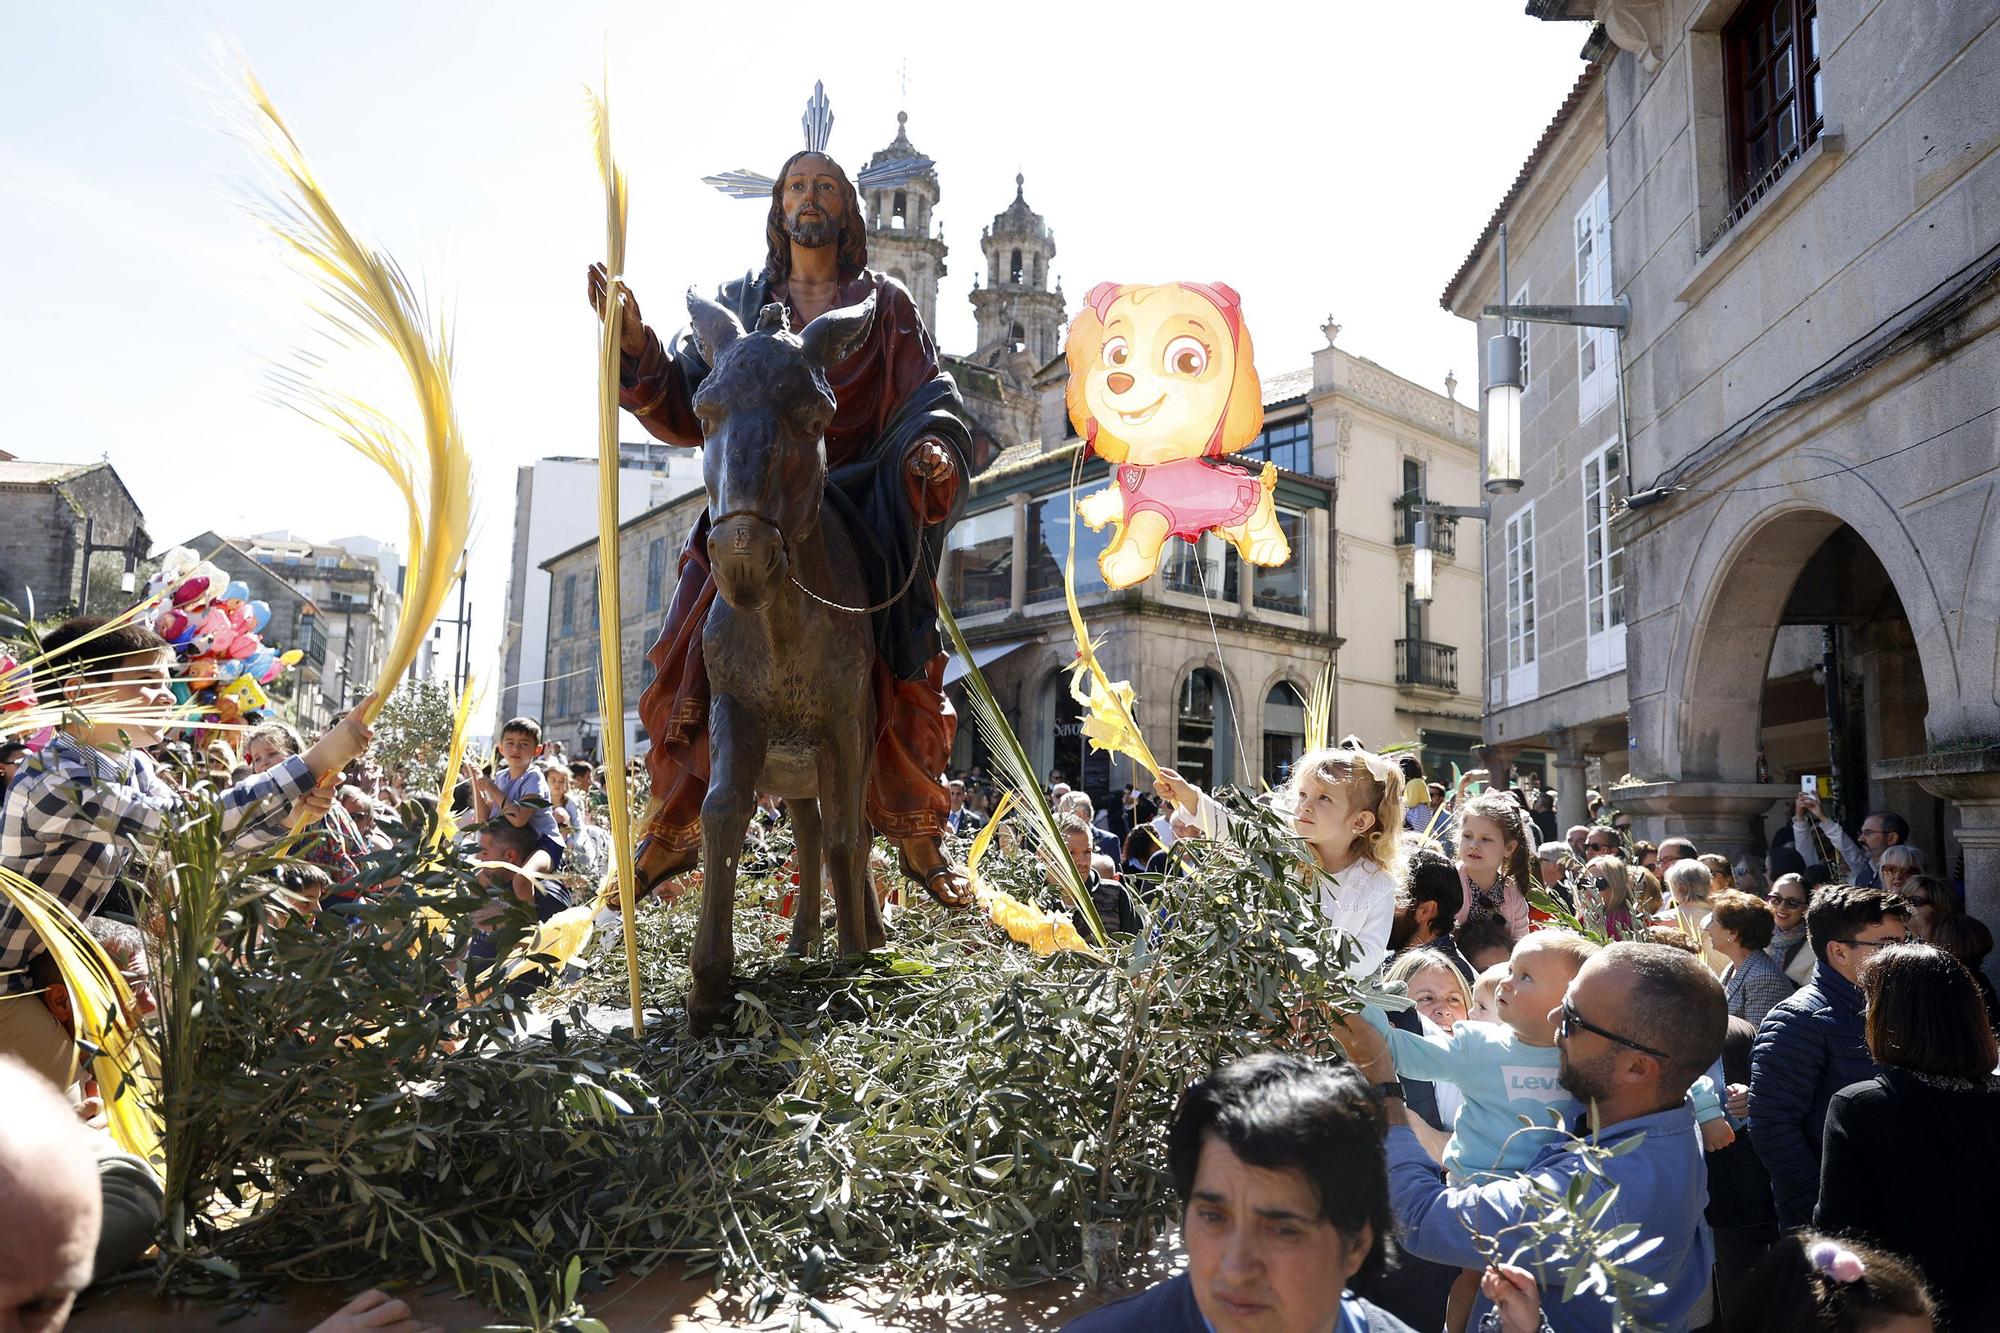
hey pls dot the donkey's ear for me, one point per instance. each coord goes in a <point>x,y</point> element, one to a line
<point>838,334</point>
<point>715,326</point>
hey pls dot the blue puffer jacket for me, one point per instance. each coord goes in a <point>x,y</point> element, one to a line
<point>1810,1046</point>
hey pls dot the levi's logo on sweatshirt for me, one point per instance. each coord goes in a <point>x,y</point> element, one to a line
<point>1529,1083</point>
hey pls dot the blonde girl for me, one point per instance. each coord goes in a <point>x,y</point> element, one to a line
<point>1495,859</point>
<point>1347,807</point>
<point>1612,879</point>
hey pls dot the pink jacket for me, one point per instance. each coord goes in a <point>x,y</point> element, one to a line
<point>1513,907</point>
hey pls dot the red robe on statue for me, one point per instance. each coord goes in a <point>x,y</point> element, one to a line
<point>915,723</point>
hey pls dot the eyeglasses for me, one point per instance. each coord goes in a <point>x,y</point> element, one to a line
<point>1786,900</point>
<point>1867,944</point>
<point>1600,846</point>
<point>1571,1018</point>
<point>1917,900</point>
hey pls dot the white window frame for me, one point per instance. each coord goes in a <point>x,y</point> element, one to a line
<point>1517,546</point>
<point>1596,353</point>
<point>1519,328</point>
<point>1603,599</point>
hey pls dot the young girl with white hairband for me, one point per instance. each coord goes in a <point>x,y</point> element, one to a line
<point>1347,807</point>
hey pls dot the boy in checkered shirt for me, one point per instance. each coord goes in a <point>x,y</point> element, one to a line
<point>78,811</point>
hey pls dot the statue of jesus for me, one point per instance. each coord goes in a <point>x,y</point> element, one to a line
<point>896,454</point>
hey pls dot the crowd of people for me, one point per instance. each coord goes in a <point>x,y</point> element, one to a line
<point>80,816</point>
<point>1786,1065</point>
<point>1790,1060</point>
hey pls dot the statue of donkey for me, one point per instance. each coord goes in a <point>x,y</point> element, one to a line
<point>790,710</point>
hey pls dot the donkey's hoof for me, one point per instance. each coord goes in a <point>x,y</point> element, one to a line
<point>707,1007</point>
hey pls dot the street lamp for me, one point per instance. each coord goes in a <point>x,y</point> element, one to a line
<point>1503,414</point>
<point>1422,560</point>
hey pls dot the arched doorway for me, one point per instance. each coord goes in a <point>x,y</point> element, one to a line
<point>1804,664</point>
<point>1204,735</point>
<point>1284,731</point>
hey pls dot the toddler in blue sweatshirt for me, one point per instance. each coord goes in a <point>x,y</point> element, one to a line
<point>1509,1070</point>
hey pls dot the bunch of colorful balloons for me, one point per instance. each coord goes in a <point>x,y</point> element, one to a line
<point>217,630</point>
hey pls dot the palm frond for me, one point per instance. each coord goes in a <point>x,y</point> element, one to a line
<point>611,652</point>
<point>1016,776</point>
<point>1319,710</point>
<point>367,303</point>
<point>454,757</point>
<point>121,1056</point>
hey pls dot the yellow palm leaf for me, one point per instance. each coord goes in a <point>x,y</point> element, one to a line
<point>611,650</point>
<point>125,1062</point>
<point>368,303</point>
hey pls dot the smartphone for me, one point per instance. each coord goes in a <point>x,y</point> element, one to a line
<point>1809,785</point>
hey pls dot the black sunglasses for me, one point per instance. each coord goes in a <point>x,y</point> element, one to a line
<point>1571,1018</point>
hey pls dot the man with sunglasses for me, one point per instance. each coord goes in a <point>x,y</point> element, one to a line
<point>1637,1025</point>
<point>1601,841</point>
<point>1815,1043</point>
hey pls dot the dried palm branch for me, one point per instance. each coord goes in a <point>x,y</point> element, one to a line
<point>454,758</point>
<point>611,653</point>
<point>1016,776</point>
<point>120,1056</point>
<point>367,303</point>
<point>1319,710</point>
<point>1109,720</point>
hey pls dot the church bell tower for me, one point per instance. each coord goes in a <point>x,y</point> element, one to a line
<point>904,239</point>
<point>1016,309</point>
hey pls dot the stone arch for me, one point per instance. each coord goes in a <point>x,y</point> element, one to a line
<point>1745,564</point>
<point>1264,757</point>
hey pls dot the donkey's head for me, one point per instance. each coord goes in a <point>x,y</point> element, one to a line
<point>764,409</point>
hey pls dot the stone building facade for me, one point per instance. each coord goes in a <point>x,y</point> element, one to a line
<point>1803,204</point>
<point>649,549</point>
<point>358,607</point>
<point>1223,656</point>
<point>1555,607</point>
<point>49,512</point>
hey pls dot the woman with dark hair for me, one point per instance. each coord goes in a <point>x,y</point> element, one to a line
<point>1739,928</point>
<point>1911,1158</point>
<point>1281,1167</point>
<point>1819,1284</point>
<point>1140,844</point>
<point>1967,939</point>
<point>1931,899</point>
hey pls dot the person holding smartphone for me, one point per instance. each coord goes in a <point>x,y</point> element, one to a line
<point>1879,832</point>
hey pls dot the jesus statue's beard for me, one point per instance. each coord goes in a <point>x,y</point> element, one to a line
<point>813,232</point>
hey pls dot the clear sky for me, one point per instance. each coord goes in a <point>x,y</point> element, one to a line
<point>1323,157</point>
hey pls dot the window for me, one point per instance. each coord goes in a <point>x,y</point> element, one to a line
<point>569,604</point>
<point>899,212</point>
<point>564,665</point>
<point>1202,740</point>
<point>590,693</point>
<point>1284,731</point>
<point>1207,567</point>
<point>1284,588</point>
<point>1771,64</point>
<point>1603,561</point>
<point>1286,443</point>
<point>1413,490</point>
<point>1519,328</point>
<point>1014,268</point>
<point>979,565</point>
<point>656,572</point>
<point>590,600</point>
<point>1595,385</point>
<point>1414,617</point>
<point>1048,546</point>
<point>1518,546</point>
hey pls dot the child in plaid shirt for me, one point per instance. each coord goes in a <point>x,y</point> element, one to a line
<point>79,810</point>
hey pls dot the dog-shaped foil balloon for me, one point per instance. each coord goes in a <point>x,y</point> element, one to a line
<point>1162,385</point>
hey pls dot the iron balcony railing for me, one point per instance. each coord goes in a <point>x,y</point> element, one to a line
<point>1427,665</point>
<point>1444,532</point>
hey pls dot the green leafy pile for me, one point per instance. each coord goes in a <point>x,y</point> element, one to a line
<point>951,1113</point>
